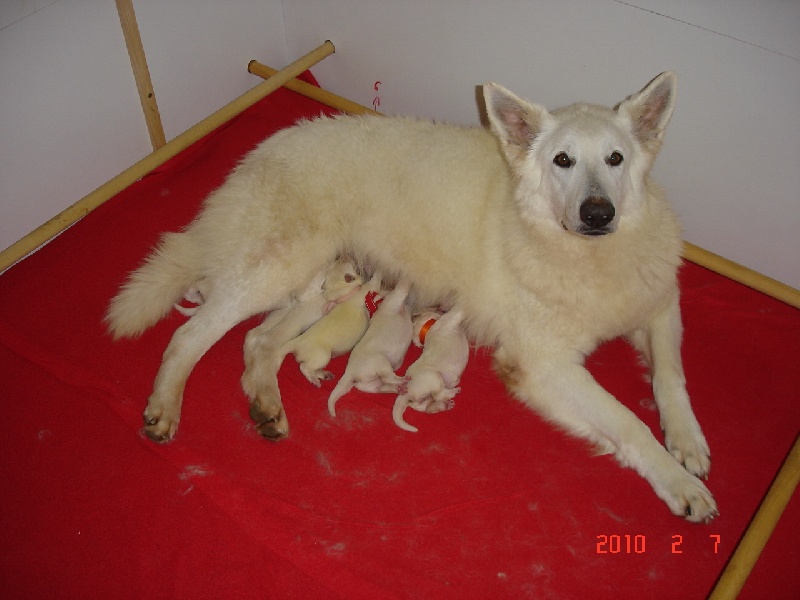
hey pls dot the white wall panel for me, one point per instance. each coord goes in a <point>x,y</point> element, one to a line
<point>70,117</point>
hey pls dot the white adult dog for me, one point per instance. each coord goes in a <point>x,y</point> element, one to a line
<point>545,231</point>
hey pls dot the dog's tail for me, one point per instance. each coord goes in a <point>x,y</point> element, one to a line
<point>152,289</point>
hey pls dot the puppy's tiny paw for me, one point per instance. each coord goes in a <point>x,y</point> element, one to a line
<point>440,406</point>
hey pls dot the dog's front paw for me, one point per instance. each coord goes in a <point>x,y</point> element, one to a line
<point>689,447</point>
<point>159,425</point>
<point>688,497</point>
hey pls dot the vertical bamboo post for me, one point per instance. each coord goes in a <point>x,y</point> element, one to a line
<point>141,73</point>
<point>91,201</point>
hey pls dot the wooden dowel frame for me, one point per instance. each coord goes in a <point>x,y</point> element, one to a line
<point>777,497</point>
<point>761,527</point>
<point>311,91</point>
<point>147,95</point>
<point>742,274</point>
<point>85,205</point>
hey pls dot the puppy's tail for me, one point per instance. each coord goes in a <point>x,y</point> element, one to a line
<point>400,405</point>
<point>151,290</point>
<point>345,385</point>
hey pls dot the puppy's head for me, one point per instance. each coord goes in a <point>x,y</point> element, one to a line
<point>581,168</point>
<point>341,278</point>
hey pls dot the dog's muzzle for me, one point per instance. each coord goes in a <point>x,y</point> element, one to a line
<point>596,214</point>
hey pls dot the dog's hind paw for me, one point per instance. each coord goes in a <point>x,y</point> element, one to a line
<point>270,422</point>
<point>158,426</point>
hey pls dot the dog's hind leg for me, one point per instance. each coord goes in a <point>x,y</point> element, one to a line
<point>263,358</point>
<point>565,393</point>
<point>660,343</point>
<point>189,343</point>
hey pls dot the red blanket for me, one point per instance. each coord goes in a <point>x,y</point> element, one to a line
<point>486,501</point>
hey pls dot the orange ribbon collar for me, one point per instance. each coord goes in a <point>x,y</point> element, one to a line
<point>423,332</point>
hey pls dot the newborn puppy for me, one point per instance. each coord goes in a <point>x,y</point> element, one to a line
<point>262,348</point>
<point>334,334</point>
<point>372,363</point>
<point>431,381</point>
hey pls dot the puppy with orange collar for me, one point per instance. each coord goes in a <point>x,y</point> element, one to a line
<point>432,381</point>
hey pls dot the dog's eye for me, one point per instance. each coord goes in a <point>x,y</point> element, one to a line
<point>349,278</point>
<point>563,160</point>
<point>614,160</point>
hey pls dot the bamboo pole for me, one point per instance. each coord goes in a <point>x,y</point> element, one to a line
<point>147,96</point>
<point>88,203</point>
<point>742,274</point>
<point>755,538</point>
<point>311,91</point>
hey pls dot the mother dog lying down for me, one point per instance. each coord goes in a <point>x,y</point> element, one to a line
<point>544,230</point>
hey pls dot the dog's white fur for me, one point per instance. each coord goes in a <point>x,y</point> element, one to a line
<point>373,361</point>
<point>432,381</point>
<point>489,222</point>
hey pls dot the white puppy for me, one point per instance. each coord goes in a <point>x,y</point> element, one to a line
<point>433,378</point>
<point>333,335</point>
<point>372,363</point>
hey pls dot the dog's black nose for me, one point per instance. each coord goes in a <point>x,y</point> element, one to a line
<point>597,212</point>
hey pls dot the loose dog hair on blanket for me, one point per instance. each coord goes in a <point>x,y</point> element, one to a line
<point>545,230</point>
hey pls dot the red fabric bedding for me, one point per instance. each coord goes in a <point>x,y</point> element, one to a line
<point>486,501</point>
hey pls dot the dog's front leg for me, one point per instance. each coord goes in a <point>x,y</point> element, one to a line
<point>566,393</point>
<point>660,343</point>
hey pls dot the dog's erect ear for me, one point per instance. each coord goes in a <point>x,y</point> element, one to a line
<point>513,120</point>
<point>651,109</point>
